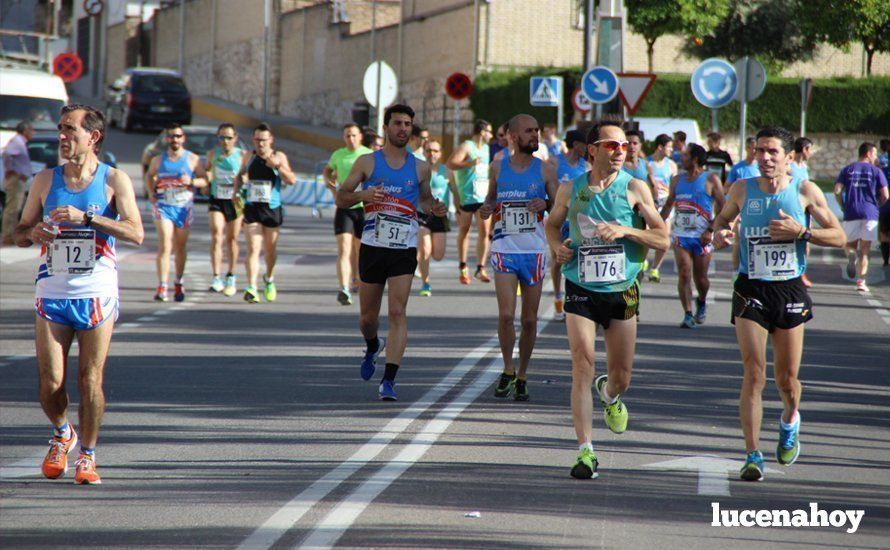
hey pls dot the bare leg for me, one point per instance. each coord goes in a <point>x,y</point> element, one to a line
<point>233,229</point>
<point>180,249</point>
<point>424,249</point>
<point>483,227</point>
<point>165,246</point>
<point>399,290</point>
<point>465,221</point>
<point>505,290</point>
<point>787,350</point>
<point>700,266</point>
<point>439,246</point>
<point>862,262</point>
<point>344,259</point>
<point>254,233</point>
<point>531,300</point>
<point>270,247</point>
<point>684,280</point>
<point>94,346</point>
<point>582,336</point>
<point>621,341</point>
<point>356,244</point>
<point>53,341</point>
<point>218,231</point>
<point>370,298</point>
<point>752,345</point>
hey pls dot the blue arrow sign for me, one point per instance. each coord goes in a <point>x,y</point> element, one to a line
<point>600,84</point>
<point>714,83</point>
<point>545,91</point>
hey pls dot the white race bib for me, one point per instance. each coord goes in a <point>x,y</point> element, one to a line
<point>685,221</point>
<point>225,183</point>
<point>392,231</point>
<point>259,191</point>
<point>601,264</point>
<point>517,218</point>
<point>771,260</point>
<point>225,192</point>
<point>73,252</point>
<point>480,184</point>
<point>177,195</point>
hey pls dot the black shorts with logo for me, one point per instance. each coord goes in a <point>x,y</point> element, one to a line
<point>602,307</point>
<point>227,207</point>
<point>771,304</point>
<point>349,220</point>
<point>377,264</point>
<point>262,214</point>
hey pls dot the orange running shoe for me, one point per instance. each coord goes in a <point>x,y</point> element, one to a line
<point>464,276</point>
<point>55,465</point>
<point>482,275</point>
<point>85,472</point>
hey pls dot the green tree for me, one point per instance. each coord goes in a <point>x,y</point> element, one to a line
<point>840,22</point>
<point>769,30</point>
<point>655,18</point>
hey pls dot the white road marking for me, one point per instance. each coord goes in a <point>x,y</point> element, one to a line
<point>329,530</point>
<point>712,471</point>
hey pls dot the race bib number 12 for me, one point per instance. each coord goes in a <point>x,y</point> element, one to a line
<point>72,252</point>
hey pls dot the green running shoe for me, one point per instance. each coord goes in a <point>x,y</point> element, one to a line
<point>520,393</point>
<point>614,414</point>
<point>585,466</point>
<point>788,448</point>
<point>270,292</point>
<point>753,468</point>
<point>251,296</point>
<point>506,385</point>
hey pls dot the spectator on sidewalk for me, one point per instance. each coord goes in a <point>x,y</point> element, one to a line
<point>17,167</point>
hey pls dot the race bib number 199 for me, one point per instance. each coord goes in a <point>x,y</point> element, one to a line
<point>392,231</point>
<point>72,252</point>
<point>772,260</point>
<point>601,264</point>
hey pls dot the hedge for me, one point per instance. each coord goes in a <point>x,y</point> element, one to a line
<point>837,105</point>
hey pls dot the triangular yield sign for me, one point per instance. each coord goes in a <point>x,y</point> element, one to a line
<point>544,93</point>
<point>632,88</point>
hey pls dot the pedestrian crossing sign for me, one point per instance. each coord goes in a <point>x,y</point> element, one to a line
<point>545,91</point>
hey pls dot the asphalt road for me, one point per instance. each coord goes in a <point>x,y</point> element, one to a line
<point>231,424</point>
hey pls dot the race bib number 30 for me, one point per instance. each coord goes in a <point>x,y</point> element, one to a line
<point>259,191</point>
<point>772,260</point>
<point>685,221</point>
<point>517,218</point>
<point>601,264</point>
<point>392,231</point>
<point>72,252</point>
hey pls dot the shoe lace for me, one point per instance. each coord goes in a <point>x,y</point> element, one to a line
<point>56,451</point>
<point>787,438</point>
<point>85,462</point>
<point>755,457</point>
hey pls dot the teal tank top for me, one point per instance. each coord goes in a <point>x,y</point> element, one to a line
<point>224,171</point>
<point>439,184</point>
<point>472,183</point>
<point>598,266</point>
<point>761,258</point>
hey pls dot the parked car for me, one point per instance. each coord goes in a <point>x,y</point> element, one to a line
<point>148,97</point>
<point>43,149</point>
<point>31,95</point>
<point>198,139</point>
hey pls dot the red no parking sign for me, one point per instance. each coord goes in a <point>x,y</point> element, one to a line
<point>68,66</point>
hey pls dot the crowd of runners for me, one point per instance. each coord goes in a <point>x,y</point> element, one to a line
<point>587,210</point>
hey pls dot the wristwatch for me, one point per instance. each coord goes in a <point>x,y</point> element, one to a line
<point>88,218</point>
<point>807,235</point>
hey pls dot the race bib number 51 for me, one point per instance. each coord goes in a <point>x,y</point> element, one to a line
<point>601,264</point>
<point>72,252</point>
<point>392,231</point>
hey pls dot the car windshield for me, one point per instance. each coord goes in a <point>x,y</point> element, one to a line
<point>45,151</point>
<point>158,83</point>
<point>198,142</point>
<point>42,113</point>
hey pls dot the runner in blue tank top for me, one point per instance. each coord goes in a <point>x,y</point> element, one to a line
<point>258,192</point>
<point>768,296</point>
<point>75,213</point>
<point>524,186</point>
<point>695,195</point>
<point>172,178</point>
<point>612,217</point>
<point>568,167</point>
<point>395,189</point>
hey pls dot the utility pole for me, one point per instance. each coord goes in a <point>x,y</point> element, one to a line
<point>181,37</point>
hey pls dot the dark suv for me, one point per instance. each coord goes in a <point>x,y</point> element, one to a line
<point>148,97</point>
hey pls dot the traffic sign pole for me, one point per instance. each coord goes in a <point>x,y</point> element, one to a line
<point>456,125</point>
<point>714,120</point>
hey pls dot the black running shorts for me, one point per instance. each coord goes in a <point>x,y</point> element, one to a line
<point>262,214</point>
<point>377,264</point>
<point>602,307</point>
<point>771,304</point>
<point>225,206</point>
<point>349,220</point>
<point>472,207</point>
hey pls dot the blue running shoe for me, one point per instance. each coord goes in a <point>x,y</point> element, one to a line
<point>369,363</point>
<point>387,391</point>
<point>789,443</point>
<point>688,321</point>
<point>753,468</point>
<point>701,312</point>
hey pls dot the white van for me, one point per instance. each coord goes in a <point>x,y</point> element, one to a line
<point>652,127</point>
<point>32,95</point>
